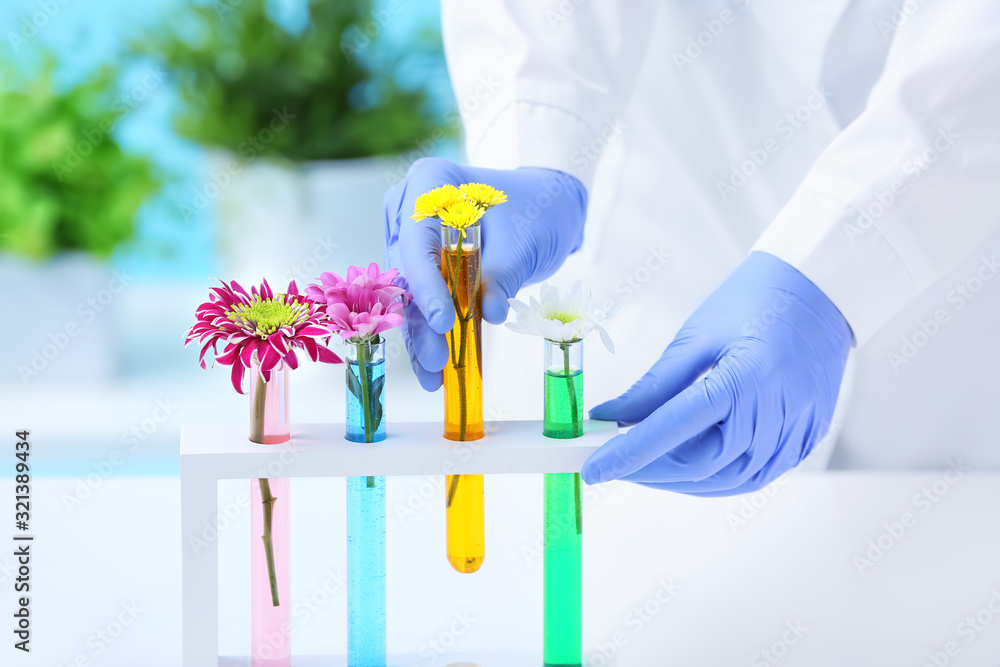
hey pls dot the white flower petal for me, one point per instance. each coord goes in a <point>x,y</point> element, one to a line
<point>538,316</point>
<point>517,327</point>
<point>519,306</point>
<point>606,339</point>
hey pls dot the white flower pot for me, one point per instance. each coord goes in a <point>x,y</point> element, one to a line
<point>293,222</point>
<point>59,319</point>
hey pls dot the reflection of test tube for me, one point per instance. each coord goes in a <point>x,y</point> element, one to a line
<point>563,569</point>
<point>463,393</point>
<point>270,525</point>
<point>366,599</point>
<point>271,573</point>
<point>366,637</point>
<point>563,509</point>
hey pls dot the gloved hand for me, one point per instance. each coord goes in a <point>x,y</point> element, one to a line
<point>774,347</point>
<point>524,240</point>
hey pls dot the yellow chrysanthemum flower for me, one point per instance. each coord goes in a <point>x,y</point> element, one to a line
<point>482,195</point>
<point>430,205</point>
<point>460,214</point>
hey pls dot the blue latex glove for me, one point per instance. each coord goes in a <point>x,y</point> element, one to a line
<point>524,240</point>
<point>774,348</point>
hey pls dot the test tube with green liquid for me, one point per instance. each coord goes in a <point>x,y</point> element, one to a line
<point>563,509</point>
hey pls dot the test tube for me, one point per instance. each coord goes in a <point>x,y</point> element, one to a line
<point>563,509</point>
<point>366,597</point>
<point>463,393</point>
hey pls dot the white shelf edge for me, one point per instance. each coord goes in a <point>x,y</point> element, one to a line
<point>471,659</point>
<point>223,451</point>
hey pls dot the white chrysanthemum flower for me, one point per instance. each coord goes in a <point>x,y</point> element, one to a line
<point>561,318</point>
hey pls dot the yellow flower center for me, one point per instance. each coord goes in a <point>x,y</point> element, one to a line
<point>265,316</point>
<point>461,214</point>
<point>564,317</point>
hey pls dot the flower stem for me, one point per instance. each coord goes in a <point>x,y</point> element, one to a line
<point>578,501</point>
<point>257,412</point>
<point>463,337</point>
<point>366,397</point>
<point>452,489</point>
<point>573,407</point>
<point>459,348</point>
<point>458,362</point>
<point>267,500</point>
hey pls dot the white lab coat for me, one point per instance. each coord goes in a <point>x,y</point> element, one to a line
<point>858,140</point>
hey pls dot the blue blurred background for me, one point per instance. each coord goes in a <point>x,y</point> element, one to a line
<point>146,147</point>
<point>87,35</point>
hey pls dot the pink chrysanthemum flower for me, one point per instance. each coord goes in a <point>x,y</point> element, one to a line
<point>363,305</point>
<point>262,324</point>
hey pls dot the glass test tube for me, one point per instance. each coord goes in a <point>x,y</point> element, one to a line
<point>563,509</point>
<point>270,527</point>
<point>366,571</point>
<point>366,598</point>
<point>463,393</point>
<point>271,606</point>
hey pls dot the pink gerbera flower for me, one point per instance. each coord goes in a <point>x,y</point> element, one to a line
<point>363,305</point>
<point>261,325</point>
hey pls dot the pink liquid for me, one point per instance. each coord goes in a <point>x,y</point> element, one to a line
<point>277,426</point>
<point>271,626</point>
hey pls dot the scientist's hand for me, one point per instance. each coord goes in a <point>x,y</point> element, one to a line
<point>524,240</point>
<point>774,348</point>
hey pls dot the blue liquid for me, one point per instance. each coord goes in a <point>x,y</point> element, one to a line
<point>375,385</point>
<point>366,571</point>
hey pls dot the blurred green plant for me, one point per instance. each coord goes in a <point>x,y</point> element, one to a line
<point>237,69</point>
<point>65,183</point>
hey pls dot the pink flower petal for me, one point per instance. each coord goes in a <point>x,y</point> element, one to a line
<point>246,356</point>
<point>277,342</point>
<point>229,355</point>
<point>237,377</point>
<point>326,356</point>
<point>311,347</point>
<point>313,331</point>
<point>269,359</point>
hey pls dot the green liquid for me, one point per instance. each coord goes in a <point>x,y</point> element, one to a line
<point>563,523</point>
<point>563,404</point>
<point>563,569</point>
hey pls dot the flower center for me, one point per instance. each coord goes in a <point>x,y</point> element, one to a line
<point>265,316</point>
<point>564,316</point>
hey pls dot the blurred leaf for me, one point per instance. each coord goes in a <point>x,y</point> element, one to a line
<point>235,66</point>
<point>63,186</point>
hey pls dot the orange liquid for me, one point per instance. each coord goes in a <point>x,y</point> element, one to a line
<point>463,376</point>
<point>466,525</point>
<point>463,407</point>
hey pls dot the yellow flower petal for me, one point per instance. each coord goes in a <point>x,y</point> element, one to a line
<point>461,214</point>
<point>430,204</point>
<point>482,195</point>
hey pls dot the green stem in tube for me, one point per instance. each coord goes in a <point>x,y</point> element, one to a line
<point>366,397</point>
<point>571,390</point>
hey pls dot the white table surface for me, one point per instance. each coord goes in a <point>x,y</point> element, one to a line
<point>738,584</point>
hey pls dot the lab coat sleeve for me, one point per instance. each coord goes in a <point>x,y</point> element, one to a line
<point>541,83</point>
<point>910,188</point>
